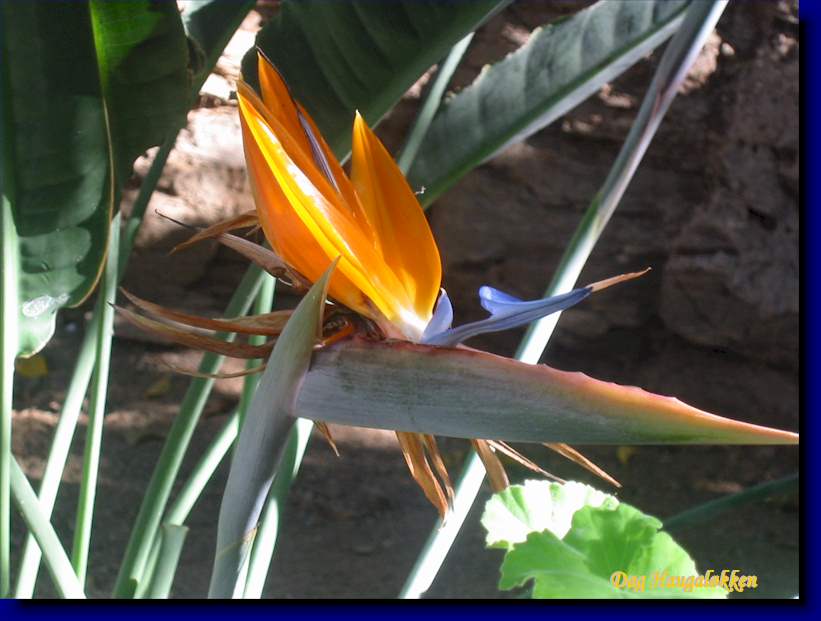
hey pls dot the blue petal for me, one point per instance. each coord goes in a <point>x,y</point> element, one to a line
<point>506,313</point>
<point>493,300</point>
<point>442,317</point>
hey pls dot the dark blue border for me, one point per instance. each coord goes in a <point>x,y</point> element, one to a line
<point>810,235</point>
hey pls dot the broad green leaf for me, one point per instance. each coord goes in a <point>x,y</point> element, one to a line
<point>466,393</point>
<point>610,551</point>
<point>87,87</point>
<point>560,65</point>
<point>262,440</point>
<point>339,57</point>
<point>512,514</point>
<point>210,24</point>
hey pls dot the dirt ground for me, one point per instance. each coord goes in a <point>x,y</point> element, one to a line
<point>714,210</point>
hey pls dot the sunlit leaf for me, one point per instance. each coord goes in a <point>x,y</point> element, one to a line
<point>87,87</point>
<point>575,542</point>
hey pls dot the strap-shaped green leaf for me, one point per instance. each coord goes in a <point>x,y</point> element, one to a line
<point>560,65</point>
<point>86,87</point>
<point>339,57</point>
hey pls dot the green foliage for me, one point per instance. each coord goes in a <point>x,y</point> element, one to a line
<point>209,25</point>
<point>339,57</point>
<point>573,541</point>
<point>87,87</point>
<point>560,66</point>
<point>535,506</point>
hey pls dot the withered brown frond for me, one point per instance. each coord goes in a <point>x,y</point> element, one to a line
<point>505,449</point>
<point>493,466</point>
<point>269,324</point>
<point>242,221</point>
<point>197,341</point>
<point>573,455</point>
<point>414,451</point>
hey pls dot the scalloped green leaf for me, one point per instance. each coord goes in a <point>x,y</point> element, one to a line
<point>534,506</point>
<point>87,87</point>
<point>572,541</point>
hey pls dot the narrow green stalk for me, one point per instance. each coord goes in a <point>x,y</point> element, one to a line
<point>203,471</point>
<point>214,454</point>
<point>264,303</point>
<point>173,538</point>
<point>191,490</point>
<point>147,187</point>
<point>59,567</point>
<point>176,444</point>
<point>96,410</point>
<point>81,377</point>
<point>8,352</point>
<point>710,510</point>
<point>431,104</point>
<point>678,57</point>
<point>265,541</point>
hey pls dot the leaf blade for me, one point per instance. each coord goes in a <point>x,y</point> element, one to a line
<point>339,57</point>
<point>559,66</point>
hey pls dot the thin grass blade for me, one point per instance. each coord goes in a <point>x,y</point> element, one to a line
<point>709,510</point>
<point>96,410</point>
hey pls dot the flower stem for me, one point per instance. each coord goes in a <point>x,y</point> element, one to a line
<point>99,390</point>
<point>431,104</point>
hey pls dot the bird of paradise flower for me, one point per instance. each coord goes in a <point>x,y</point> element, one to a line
<point>387,282</point>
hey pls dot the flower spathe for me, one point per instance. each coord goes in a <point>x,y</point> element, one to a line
<point>311,212</point>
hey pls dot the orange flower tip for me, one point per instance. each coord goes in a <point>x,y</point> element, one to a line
<point>609,282</point>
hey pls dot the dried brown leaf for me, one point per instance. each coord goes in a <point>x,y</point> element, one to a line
<point>197,341</point>
<point>269,324</point>
<point>516,456</point>
<point>493,466</point>
<point>326,432</point>
<point>420,470</point>
<point>439,465</point>
<point>200,374</point>
<point>573,455</point>
<point>241,221</point>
